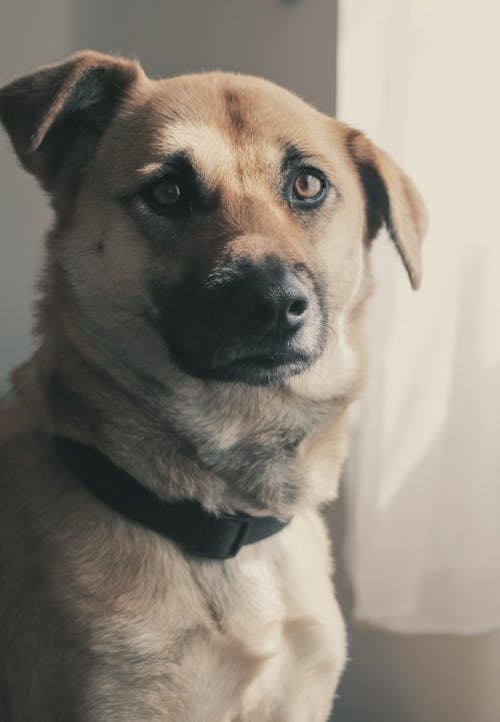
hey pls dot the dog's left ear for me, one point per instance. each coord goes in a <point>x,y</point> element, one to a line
<point>391,199</point>
<point>56,115</point>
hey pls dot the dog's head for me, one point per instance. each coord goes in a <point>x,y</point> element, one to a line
<point>213,225</point>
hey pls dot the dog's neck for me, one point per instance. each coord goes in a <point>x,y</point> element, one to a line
<point>230,447</point>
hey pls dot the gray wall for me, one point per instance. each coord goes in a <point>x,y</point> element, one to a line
<point>289,41</point>
<point>30,34</point>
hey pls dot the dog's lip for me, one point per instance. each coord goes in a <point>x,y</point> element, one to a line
<point>269,366</point>
<point>251,366</point>
<point>269,359</point>
<point>261,369</point>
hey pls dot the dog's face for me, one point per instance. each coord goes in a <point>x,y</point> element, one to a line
<point>211,225</point>
<point>223,195</point>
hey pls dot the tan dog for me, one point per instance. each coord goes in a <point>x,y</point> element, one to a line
<point>199,324</point>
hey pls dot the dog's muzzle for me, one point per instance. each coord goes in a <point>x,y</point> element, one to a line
<point>265,305</point>
<point>254,323</point>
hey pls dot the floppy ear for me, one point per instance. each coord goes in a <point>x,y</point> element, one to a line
<point>56,115</point>
<point>391,199</point>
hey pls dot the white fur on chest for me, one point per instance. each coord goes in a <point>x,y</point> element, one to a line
<point>245,644</point>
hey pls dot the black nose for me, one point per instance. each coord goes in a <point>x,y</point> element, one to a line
<point>271,299</point>
<point>283,308</point>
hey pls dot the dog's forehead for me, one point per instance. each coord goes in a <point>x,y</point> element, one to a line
<point>229,125</point>
<point>242,106</point>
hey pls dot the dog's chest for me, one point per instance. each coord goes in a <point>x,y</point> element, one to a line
<point>219,642</point>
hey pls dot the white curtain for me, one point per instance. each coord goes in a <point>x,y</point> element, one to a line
<point>422,78</point>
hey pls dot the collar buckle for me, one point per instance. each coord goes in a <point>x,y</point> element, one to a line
<point>220,537</point>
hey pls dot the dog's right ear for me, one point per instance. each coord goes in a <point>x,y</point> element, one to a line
<point>56,115</point>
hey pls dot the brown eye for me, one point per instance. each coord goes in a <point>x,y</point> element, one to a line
<point>308,189</point>
<point>307,186</point>
<point>166,194</point>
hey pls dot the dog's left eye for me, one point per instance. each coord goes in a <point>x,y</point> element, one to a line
<point>308,188</point>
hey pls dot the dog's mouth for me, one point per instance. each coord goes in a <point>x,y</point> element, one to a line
<point>262,367</point>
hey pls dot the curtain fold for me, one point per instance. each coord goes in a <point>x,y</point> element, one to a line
<point>423,484</point>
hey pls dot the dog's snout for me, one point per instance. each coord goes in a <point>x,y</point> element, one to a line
<point>296,309</point>
<point>271,300</point>
<point>253,321</point>
<point>281,307</point>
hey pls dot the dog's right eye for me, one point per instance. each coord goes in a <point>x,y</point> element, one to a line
<point>166,194</point>
<point>169,196</point>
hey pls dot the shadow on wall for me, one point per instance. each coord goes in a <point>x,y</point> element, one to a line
<point>394,677</point>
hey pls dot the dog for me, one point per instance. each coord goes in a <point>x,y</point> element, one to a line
<point>200,341</point>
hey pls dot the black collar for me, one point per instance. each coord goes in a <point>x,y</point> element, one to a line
<point>185,522</point>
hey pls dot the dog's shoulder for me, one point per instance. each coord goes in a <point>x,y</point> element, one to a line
<point>25,459</point>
